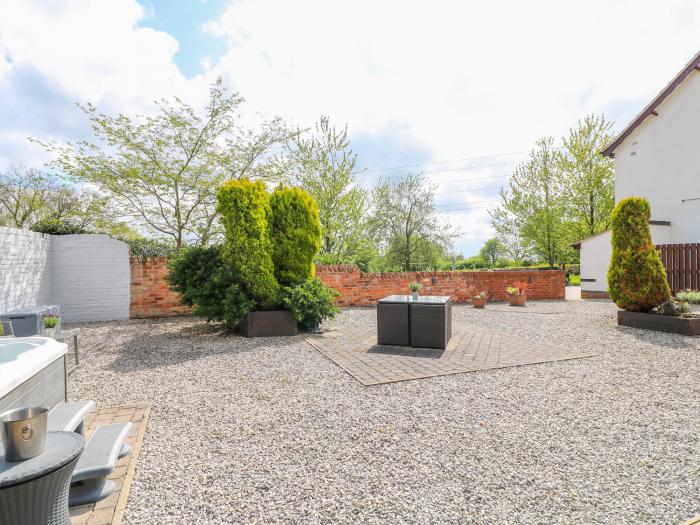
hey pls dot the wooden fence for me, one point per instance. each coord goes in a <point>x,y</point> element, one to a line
<point>682,262</point>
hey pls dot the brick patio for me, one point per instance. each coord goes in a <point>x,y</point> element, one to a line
<point>469,350</point>
<point>110,510</point>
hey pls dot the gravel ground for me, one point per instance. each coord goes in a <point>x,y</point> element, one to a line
<point>270,431</point>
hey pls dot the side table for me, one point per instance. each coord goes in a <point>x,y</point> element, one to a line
<point>35,491</point>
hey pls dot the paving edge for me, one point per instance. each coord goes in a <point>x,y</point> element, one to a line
<point>125,489</point>
<point>692,521</point>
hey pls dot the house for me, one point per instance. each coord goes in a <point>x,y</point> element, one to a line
<point>657,156</point>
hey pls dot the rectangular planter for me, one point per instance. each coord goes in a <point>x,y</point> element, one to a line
<point>274,323</point>
<point>660,323</point>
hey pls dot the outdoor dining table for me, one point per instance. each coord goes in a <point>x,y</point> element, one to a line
<point>35,491</point>
<point>423,322</point>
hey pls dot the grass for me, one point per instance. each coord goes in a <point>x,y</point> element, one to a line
<point>690,296</point>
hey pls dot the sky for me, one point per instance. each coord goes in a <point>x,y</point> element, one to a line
<point>457,89</point>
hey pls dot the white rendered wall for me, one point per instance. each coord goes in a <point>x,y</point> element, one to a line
<point>596,252</point>
<point>24,275</point>
<point>660,161</point>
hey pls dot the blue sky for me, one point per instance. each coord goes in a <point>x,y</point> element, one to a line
<point>459,90</point>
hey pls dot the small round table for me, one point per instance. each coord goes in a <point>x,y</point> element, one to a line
<point>35,491</point>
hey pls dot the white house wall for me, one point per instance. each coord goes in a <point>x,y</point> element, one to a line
<point>24,273</point>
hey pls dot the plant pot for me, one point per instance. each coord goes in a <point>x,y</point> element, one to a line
<point>274,323</point>
<point>50,332</point>
<point>517,300</point>
<point>415,296</point>
<point>479,302</point>
<point>660,323</point>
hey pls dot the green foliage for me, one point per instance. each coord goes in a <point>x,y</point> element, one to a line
<point>57,227</point>
<point>2,329</point>
<point>674,308</point>
<point>295,235</point>
<point>144,248</point>
<point>246,215</point>
<point>415,287</point>
<point>491,251</point>
<point>636,276</point>
<point>311,302</point>
<point>208,285</point>
<point>573,279</point>
<point>690,296</point>
<point>50,321</point>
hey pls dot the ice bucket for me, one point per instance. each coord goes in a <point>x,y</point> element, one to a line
<point>23,432</point>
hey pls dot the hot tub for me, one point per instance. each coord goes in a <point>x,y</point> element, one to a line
<point>32,372</point>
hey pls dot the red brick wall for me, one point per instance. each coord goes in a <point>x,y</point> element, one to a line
<point>150,295</point>
<point>363,289</point>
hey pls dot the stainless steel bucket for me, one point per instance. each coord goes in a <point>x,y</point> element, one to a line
<point>23,432</point>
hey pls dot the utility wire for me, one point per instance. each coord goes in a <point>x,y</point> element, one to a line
<point>464,159</point>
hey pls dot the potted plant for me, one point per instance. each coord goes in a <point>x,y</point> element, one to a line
<point>50,325</point>
<point>479,300</point>
<point>415,288</point>
<point>517,293</point>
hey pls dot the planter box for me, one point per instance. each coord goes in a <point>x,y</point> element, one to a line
<point>517,300</point>
<point>269,324</point>
<point>479,303</point>
<point>661,323</point>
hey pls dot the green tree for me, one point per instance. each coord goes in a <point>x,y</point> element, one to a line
<point>246,216</point>
<point>508,233</point>
<point>636,276</point>
<point>323,164</point>
<point>536,201</point>
<point>589,176</point>
<point>296,234</point>
<point>163,170</point>
<point>491,251</point>
<point>408,223</point>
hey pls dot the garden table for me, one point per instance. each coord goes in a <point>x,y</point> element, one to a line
<point>424,321</point>
<point>35,491</point>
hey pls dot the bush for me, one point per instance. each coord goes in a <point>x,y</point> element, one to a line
<point>246,215</point>
<point>208,285</point>
<point>674,308</point>
<point>636,277</point>
<point>58,227</point>
<point>295,235</point>
<point>690,296</point>
<point>144,248</point>
<point>573,279</point>
<point>311,302</point>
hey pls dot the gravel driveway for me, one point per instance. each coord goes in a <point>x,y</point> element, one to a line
<point>270,431</point>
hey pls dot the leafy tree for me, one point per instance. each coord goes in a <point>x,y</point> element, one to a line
<point>296,234</point>
<point>409,224</point>
<point>491,251</point>
<point>508,233</point>
<point>163,170</point>
<point>323,164</point>
<point>246,215</point>
<point>636,276</point>
<point>589,176</point>
<point>536,200</point>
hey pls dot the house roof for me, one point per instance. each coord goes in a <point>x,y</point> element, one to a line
<point>650,109</point>
<point>577,245</point>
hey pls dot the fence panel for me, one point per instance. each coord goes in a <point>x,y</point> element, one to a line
<point>682,263</point>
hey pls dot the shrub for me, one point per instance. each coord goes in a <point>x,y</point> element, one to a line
<point>574,279</point>
<point>57,227</point>
<point>311,302</point>
<point>674,308</point>
<point>246,214</point>
<point>208,285</point>
<point>636,277</point>
<point>295,234</point>
<point>690,296</point>
<point>144,248</point>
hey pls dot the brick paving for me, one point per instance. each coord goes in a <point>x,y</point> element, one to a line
<point>110,510</point>
<point>469,350</point>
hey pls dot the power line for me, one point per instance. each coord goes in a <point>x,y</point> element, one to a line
<point>449,170</point>
<point>468,203</point>
<point>468,191</point>
<point>465,159</point>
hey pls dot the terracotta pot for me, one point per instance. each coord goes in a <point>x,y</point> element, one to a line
<point>479,302</point>
<point>517,300</point>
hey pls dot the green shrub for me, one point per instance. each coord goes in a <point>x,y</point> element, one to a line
<point>636,276</point>
<point>245,213</point>
<point>690,296</point>
<point>295,234</point>
<point>58,227</point>
<point>144,248</point>
<point>311,302</point>
<point>674,308</point>
<point>574,279</point>
<point>208,285</point>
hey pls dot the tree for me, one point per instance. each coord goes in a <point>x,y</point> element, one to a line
<point>491,251</point>
<point>589,176</point>
<point>636,276</point>
<point>295,234</point>
<point>508,233</point>
<point>246,215</point>
<point>163,169</point>
<point>323,164</point>
<point>408,223</point>
<point>536,201</point>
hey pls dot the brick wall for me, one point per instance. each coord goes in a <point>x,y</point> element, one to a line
<point>363,289</point>
<point>150,295</point>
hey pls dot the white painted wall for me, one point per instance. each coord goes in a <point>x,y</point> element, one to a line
<point>596,252</point>
<point>88,276</point>
<point>659,161</point>
<point>24,275</point>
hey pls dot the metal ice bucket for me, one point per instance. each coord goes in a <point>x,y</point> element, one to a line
<point>23,432</point>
